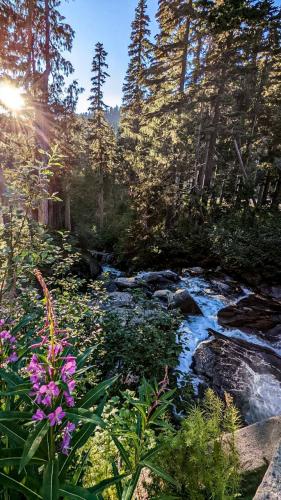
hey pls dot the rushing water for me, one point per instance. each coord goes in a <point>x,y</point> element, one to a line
<point>264,390</point>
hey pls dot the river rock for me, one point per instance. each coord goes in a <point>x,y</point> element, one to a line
<point>121,299</point>
<point>255,314</point>
<point>122,283</point>
<point>164,295</point>
<point>185,302</point>
<point>252,374</point>
<point>151,279</point>
<point>158,277</point>
<point>256,444</point>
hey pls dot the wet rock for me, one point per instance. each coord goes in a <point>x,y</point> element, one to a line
<point>122,283</point>
<point>252,374</point>
<point>159,277</point>
<point>164,295</point>
<point>185,302</point>
<point>121,299</point>
<point>255,314</point>
<point>227,287</point>
<point>151,280</point>
<point>256,443</point>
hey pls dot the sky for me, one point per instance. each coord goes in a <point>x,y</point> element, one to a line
<point>109,22</point>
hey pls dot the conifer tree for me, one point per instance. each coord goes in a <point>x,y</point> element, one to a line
<point>98,79</point>
<point>134,89</point>
<point>101,137</point>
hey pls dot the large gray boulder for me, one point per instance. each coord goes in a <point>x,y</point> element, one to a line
<point>152,279</point>
<point>256,444</point>
<point>250,373</point>
<point>164,295</point>
<point>158,277</point>
<point>185,302</point>
<point>122,283</point>
<point>255,314</point>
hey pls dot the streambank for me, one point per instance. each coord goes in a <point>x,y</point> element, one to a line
<point>243,361</point>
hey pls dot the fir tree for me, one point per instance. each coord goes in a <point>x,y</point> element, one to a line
<point>98,79</point>
<point>134,89</point>
<point>101,137</point>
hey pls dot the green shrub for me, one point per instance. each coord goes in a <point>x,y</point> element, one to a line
<point>199,458</point>
<point>249,243</point>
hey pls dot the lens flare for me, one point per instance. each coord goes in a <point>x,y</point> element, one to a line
<point>11,97</point>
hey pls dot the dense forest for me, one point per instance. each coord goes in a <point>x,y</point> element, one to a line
<point>185,175</point>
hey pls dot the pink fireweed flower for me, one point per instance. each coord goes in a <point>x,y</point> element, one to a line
<point>66,437</point>
<point>47,393</point>
<point>71,385</point>
<point>69,368</point>
<point>7,347</point>
<point>37,373</point>
<point>39,415</point>
<point>56,416</point>
<point>13,357</point>
<point>52,376</point>
<point>68,399</point>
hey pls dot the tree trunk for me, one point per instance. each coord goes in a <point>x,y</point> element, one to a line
<point>43,132</point>
<point>276,198</point>
<point>265,189</point>
<point>67,209</point>
<point>101,201</point>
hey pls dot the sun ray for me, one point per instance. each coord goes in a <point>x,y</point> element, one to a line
<point>11,97</point>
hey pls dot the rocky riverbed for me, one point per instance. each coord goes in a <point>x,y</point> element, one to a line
<point>231,337</point>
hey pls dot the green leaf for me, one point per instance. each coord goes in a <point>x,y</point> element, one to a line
<point>22,323</point>
<point>13,380</point>
<point>76,493</point>
<point>79,470</point>
<point>13,484</point>
<point>16,434</point>
<point>94,395</point>
<point>14,415</point>
<point>158,471</point>
<point>80,438</point>
<point>131,486</point>
<point>151,453</point>
<point>106,483</point>
<point>50,487</point>
<point>83,415</point>
<point>119,488</point>
<point>21,388</point>
<point>80,361</point>
<point>33,442</point>
<point>124,455</point>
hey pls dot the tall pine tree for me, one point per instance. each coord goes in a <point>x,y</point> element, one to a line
<point>134,89</point>
<point>101,137</point>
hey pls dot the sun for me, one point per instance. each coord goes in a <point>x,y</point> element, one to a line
<point>11,97</point>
